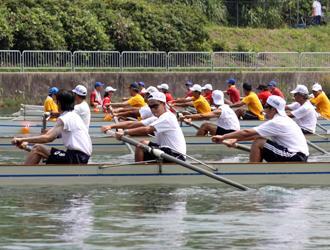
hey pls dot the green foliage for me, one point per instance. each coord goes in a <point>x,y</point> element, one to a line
<point>6,33</point>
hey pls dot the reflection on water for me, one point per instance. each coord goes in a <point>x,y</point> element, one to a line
<point>154,217</point>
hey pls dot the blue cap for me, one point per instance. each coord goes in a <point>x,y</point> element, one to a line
<point>189,83</point>
<point>141,84</point>
<point>98,84</point>
<point>53,91</point>
<point>134,85</point>
<point>231,81</point>
<point>272,84</point>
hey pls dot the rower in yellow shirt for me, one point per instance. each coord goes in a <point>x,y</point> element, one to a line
<point>197,100</point>
<point>254,107</point>
<point>321,101</point>
<point>50,104</point>
<point>135,102</point>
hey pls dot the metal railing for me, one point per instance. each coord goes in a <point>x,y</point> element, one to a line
<point>33,60</point>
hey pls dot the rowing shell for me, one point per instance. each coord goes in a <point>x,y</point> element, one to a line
<point>316,173</point>
<point>195,144</point>
<point>10,128</point>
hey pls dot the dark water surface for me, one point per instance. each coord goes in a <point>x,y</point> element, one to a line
<point>164,217</point>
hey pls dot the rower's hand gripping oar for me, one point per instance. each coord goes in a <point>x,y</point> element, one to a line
<point>22,145</point>
<point>115,118</point>
<point>160,154</point>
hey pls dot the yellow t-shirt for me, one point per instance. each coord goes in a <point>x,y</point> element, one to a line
<point>322,104</point>
<point>50,106</point>
<point>201,105</point>
<point>254,105</point>
<point>136,101</point>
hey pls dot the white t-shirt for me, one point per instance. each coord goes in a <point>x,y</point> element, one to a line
<point>145,112</point>
<point>317,7</point>
<point>84,112</point>
<point>304,115</point>
<point>228,119</point>
<point>168,132</point>
<point>75,134</point>
<point>284,131</point>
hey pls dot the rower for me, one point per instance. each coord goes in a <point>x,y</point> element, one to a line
<point>137,112</point>
<point>302,111</point>
<point>286,141</point>
<point>95,97</point>
<point>272,87</point>
<point>50,102</point>
<point>141,88</point>
<point>197,100</point>
<point>81,106</point>
<point>188,85</point>
<point>207,93</point>
<point>232,92</point>
<point>164,88</point>
<point>169,136</point>
<point>227,118</point>
<point>74,134</point>
<point>321,101</point>
<point>254,106</point>
<point>263,94</point>
<point>108,92</point>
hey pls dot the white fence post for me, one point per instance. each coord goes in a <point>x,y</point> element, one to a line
<point>96,60</point>
<point>234,60</point>
<point>151,60</point>
<point>190,60</point>
<point>10,60</point>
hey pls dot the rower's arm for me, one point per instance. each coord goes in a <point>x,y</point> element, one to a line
<point>181,100</point>
<point>203,116</point>
<point>120,104</point>
<point>236,105</point>
<point>122,125</point>
<point>185,104</point>
<point>145,130</point>
<point>240,135</point>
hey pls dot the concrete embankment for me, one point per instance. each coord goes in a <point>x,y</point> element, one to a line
<point>32,87</point>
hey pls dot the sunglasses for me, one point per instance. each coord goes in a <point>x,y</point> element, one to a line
<point>153,106</point>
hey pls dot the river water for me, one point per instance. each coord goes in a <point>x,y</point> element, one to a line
<point>162,217</point>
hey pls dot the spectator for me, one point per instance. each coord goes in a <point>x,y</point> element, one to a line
<point>317,12</point>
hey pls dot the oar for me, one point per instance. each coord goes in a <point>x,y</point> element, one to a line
<point>25,146</point>
<point>322,127</point>
<point>236,145</point>
<point>160,154</point>
<point>313,145</point>
<point>45,118</point>
<point>115,118</point>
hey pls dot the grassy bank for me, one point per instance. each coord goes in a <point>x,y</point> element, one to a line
<point>311,39</point>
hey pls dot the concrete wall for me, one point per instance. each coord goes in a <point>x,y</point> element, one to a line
<point>32,87</point>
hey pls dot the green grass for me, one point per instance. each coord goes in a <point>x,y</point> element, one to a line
<point>312,39</point>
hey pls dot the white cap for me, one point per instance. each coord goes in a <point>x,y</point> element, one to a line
<point>302,89</point>
<point>163,86</point>
<point>207,86</point>
<point>217,96</point>
<point>80,90</point>
<point>196,87</point>
<point>159,96</point>
<point>278,103</point>
<point>109,88</point>
<point>151,89</point>
<point>317,87</point>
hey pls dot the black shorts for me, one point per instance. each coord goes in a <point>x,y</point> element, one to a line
<point>249,116</point>
<point>306,132</point>
<point>149,156</point>
<point>222,131</point>
<point>58,156</point>
<point>273,152</point>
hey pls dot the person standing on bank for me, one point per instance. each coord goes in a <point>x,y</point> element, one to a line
<point>286,141</point>
<point>302,111</point>
<point>317,12</point>
<point>74,134</point>
<point>165,126</point>
<point>81,107</point>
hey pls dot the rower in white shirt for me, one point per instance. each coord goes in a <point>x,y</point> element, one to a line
<point>82,107</point>
<point>277,140</point>
<point>169,136</point>
<point>302,111</point>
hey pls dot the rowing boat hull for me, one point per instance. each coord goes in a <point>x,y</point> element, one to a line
<point>250,174</point>
<point>195,144</point>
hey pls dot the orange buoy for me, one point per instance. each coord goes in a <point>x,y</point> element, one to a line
<point>96,110</point>
<point>25,130</point>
